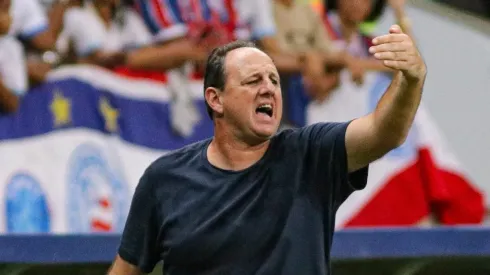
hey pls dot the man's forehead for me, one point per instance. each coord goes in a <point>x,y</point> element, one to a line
<point>249,60</point>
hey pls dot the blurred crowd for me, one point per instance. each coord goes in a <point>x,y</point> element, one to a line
<point>174,37</point>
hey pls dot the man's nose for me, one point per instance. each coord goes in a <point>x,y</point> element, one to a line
<point>268,88</point>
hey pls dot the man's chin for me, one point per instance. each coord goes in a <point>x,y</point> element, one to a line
<point>265,132</point>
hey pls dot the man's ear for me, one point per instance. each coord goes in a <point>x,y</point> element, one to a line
<point>214,99</point>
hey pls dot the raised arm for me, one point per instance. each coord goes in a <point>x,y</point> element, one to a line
<point>370,137</point>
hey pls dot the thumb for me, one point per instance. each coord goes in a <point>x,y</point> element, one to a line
<point>395,29</point>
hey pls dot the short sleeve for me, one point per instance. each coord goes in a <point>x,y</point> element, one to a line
<point>32,19</point>
<point>13,65</point>
<point>83,30</point>
<point>262,20</point>
<point>139,244</point>
<point>327,161</point>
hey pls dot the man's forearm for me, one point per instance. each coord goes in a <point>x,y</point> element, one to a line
<point>370,137</point>
<point>396,110</point>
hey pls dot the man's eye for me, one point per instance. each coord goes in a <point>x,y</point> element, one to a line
<point>255,81</point>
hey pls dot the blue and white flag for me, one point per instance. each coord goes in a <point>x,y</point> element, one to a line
<point>72,156</point>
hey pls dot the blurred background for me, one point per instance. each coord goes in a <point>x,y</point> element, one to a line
<point>93,91</point>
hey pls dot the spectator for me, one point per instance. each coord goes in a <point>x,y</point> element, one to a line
<point>13,79</point>
<point>108,33</point>
<point>300,30</point>
<point>343,21</point>
<point>187,24</point>
<point>398,7</point>
<point>378,8</point>
<point>31,25</point>
<point>101,31</point>
<point>190,21</point>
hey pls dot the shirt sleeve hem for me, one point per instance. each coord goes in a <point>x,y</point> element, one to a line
<point>34,32</point>
<point>356,179</point>
<point>125,255</point>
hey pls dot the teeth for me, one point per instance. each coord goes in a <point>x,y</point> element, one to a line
<point>269,106</point>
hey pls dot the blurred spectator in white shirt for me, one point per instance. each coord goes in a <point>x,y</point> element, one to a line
<point>13,77</point>
<point>300,29</point>
<point>344,20</point>
<point>101,31</point>
<point>187,22</point>
<point>39,32</point>
<point>109,33</point>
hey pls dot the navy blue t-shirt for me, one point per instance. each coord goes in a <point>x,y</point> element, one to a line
<point>275,217</point>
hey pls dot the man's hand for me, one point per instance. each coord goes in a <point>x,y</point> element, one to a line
<point>398,52</point>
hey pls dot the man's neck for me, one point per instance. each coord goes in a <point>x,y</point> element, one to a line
<point>228,152</point>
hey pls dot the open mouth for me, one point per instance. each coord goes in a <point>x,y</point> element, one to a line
<point>265,109</point>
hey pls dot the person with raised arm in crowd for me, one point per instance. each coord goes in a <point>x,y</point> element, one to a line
<point>13,75</point>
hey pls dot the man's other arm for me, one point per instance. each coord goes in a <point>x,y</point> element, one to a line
<point>370,137</point>
<point>139,250</point>
<point>121,267</point>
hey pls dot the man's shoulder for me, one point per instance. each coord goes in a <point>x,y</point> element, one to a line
<point>177,158</point>
<point>289,136</point>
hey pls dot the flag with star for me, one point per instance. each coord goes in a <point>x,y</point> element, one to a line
<point>81,141</point>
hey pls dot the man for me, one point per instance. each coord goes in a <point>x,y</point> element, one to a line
<point>254,201</point>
